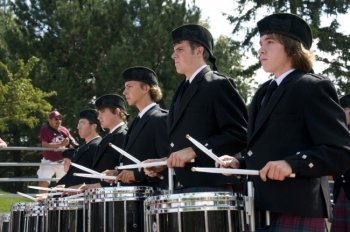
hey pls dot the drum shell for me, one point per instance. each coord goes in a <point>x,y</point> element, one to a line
<point>34,217</point>
<point>205,211</point>
<point>5,223</point>
<point>17,217</point>
<point>64,214</point>
<point>116,208</point>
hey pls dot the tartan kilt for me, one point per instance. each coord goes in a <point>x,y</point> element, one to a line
<point>341,214</point>
<point>286,223</point>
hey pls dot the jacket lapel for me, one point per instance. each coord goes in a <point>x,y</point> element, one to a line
<point>190,92</point>
<point>80,152</point>
<point>83,149</point>
<point>264,113</point>
<point>259,116</point>
<point>104,144</point>
<point>132,136</point>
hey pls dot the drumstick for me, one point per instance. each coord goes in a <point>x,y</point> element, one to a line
<point>81,167</point>
<point>48,194</point>
<point>143,165</point>
<point>74,196</point>
<point>67,190</point>
<point>205,150</point>
<point>27,196</point>
<point>124,153</point>
<point>53,189</point>
<point>95,176</point>
<point>146,165</point>
<point>39,188</point>
<point>230,171</point>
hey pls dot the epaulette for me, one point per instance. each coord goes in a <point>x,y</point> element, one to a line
<point>317,76</point>
<point>163,110</point>
<point>219,74</point>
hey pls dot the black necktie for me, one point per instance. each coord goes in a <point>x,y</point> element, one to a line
<point>134,123</point>
<point>182,90</point>
<point>270,89</point>
<point>133,126</point>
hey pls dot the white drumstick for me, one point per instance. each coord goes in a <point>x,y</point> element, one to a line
<point>95,176</point>
<point>230,171</point>
<point>143,165</point>
<point>74,196</point>
<point>81,167</point>
<point>53,189</point>
<point>67,190</point>
<point>39,188</point>
<point>124,153</point>
<point>48,194</point>
<point>205,150</point>
<point>27,196</point>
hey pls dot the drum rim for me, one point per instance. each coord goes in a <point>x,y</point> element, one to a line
<point>19,206</point>
<point>177,196</point>
<point>190,202</point>
<point>122,193</point>
<point>34,209</point>
<point>62,203</point>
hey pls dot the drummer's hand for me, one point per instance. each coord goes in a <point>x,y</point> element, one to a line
<point>111,173</point>
<point>229,162</point>
<point>66,164</point>
<point>83,187</point>
<point>126,176</point>
<point>153,171</point>
<point>69,193</point>
<point>276,170</point>
<point>40,199</point>
<point>181,157</point>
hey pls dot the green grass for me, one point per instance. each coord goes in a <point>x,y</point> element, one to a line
<point>6,202</point>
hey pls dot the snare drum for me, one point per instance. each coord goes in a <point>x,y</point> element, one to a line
<point>5,221</point>
<point>64,214</point>
<point>203,211</point>
<point>34,217</point>
<point>17,217</point>
<point>116,208</point>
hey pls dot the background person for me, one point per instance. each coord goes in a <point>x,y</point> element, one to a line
<point>53,135</point>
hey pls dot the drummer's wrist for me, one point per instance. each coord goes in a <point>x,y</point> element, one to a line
<point>95,185</point>
<point>192,151</point>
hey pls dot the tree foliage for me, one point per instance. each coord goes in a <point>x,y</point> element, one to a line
<point>85,45</point>
<point>22,104</point>
<point>229,63</point>
<point>327,38</point>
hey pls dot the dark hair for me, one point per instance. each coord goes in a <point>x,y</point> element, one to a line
<point>302,59</point>
<point>206,54</point>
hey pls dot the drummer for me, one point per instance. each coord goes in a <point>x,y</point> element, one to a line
<point>112,115</point>
<point>298,128</point>
<point>206,106</point>
<point>88,127</point>
<point>147,136</point>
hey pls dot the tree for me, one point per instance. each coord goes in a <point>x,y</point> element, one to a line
<point>229,62</point>
<point>326,37</point>
<point>84,45</point>
<point>23,106</point>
